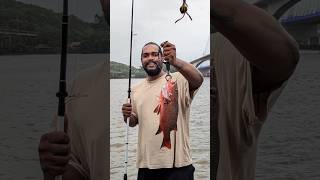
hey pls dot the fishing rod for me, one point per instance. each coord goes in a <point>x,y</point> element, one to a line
<point>62,94</point>
<point>125,176</point>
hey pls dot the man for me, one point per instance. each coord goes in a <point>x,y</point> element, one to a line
<point>252,58</point>
<point>82,152</point>
<point>160,106</point>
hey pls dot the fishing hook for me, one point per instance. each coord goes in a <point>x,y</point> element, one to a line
<point>183,10</point>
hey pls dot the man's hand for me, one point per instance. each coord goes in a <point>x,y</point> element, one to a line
<point>54,153</point>
<point>169,52</point>
<point>190,72</point>
<point>127,113</point>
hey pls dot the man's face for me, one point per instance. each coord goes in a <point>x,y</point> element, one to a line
<point>151,60</point>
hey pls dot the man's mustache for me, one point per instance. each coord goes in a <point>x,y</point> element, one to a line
<point>153,63</point>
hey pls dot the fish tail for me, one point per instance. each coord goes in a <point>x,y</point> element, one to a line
<point>166,142</point>
<point>157,109</point>
<point>159,130</point>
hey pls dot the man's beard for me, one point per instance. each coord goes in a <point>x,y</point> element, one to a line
<point>152,72</point>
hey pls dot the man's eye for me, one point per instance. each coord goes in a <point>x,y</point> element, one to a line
<point>155,54</point>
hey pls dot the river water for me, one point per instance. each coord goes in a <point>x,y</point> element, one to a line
<point>288,145</point>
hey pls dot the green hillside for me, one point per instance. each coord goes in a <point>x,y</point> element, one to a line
<point>119,71</point>
<point>45,27</point>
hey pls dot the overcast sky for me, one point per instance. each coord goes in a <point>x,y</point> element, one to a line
<point>154,21</point>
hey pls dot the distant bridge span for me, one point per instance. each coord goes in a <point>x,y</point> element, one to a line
<point>199,61</point>
<point>276,7</point>
<point>10,32</point>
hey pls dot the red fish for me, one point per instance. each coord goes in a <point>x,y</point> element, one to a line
<point>168,110</point>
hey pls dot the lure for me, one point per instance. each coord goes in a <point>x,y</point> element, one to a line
<point>183,10</point>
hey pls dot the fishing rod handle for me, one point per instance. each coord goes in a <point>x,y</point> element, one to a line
<point>60,123</point>
<point>126,151</point>
<point>127,145</point>
<point>60,127</point>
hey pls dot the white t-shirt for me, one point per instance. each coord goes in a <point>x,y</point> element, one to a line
<point>88,122</point>
<point>145,99</point>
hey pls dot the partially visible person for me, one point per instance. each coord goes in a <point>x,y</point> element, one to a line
<point>81,153</point>
<point>252,58</point>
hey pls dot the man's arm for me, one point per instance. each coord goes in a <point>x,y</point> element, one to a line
<point>272,52</point>
<point>133,120</point>
<point>190,72</point>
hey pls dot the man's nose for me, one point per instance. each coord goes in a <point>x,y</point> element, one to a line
<point>151,58</point>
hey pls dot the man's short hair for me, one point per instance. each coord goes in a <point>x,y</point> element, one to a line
<point>151,43</point>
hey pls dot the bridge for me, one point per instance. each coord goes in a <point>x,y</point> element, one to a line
<point>205,70</point>
<point>301,18</point>
<point>15,40</point>
<point>199,61</point>
<point>302,21</point>
<point>16,32</point>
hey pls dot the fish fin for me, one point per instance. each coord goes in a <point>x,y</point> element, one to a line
<point>159,130</point>
<point>157,109</point>
<point>166,144</point>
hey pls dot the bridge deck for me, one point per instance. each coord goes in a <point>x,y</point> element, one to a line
<point>308,18</point>
<point>17,33</point>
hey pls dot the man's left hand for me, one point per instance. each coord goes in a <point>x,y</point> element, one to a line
<point>169,52</point>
